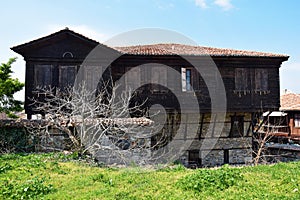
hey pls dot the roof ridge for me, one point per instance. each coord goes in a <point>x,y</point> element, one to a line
<point>188,49</point>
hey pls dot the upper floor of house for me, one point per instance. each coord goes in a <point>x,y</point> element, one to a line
<point>249,79</point>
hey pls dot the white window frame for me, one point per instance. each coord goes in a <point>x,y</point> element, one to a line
<point>184,84</point>
<point>297,120</point>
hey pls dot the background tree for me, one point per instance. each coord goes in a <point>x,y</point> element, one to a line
<point>8,87</point>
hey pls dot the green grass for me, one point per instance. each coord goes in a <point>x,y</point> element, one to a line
<point>54,176</point>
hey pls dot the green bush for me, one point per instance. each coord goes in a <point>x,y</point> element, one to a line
<point>31,189</point>
<point>173,168</point>
<point>207,179</point>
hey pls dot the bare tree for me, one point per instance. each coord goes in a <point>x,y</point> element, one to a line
<point>98,122</point>
<point>266,131</point>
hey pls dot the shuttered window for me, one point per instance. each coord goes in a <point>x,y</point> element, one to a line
<point>242,79</point>
<point>67,75</point>
<point>133,78</point>
<point>261,80</point>
<point>43,75</point>
<point>159,78</point>
<point>92,76</point>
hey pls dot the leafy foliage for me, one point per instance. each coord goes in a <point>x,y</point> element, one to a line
<point>30,189</point>
<point>8,87</point>
<point>206,179</point>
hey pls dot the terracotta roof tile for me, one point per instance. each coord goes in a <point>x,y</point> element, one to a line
<point>290,101</point>
<point>182,49</point>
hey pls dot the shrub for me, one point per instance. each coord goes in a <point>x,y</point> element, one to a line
<point>30,189</point>
<point>207,179</point>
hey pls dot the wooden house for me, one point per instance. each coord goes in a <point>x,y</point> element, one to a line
<point>251,81</point>
<point>284,125</point>
<point>290,104</point>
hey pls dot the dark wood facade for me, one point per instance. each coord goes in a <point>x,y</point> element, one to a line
<point>251,82</point>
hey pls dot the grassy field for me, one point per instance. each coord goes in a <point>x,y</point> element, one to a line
<point>54,176</point>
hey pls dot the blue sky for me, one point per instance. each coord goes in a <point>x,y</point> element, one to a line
<point>261,25</point>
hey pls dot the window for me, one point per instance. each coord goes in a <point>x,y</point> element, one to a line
<point>297,120</point>
<point>159,76</point>
<point>186,79</point>
<point>92,76</point>
<point>43,75</point>
<point>242,80</point>
<point>261,80</point>
<point>67,75</point>
<point>133,78</point>
<point>194,160</point>
<point>237,126</point>
<point>226,156</point>
<point>67,54</point>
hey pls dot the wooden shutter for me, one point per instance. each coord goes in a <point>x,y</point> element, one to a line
<point>67,75</point>
<point>92,76</point>
<point>133,78</point>
<point>242,79</point>
<point>261,79</point>
<point>43,75</point>
<point>159,76</point>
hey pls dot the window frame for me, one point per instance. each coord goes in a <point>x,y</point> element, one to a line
<point>92,76</point>
<point>135,82</point>
<point>242,79</point>
<point>237,131</point>
<point>297,120</point>
<point>185,86</point>
<point>45,69</point>
<point>159,75</point>
<point>61,81</point>
<point>261,80</point>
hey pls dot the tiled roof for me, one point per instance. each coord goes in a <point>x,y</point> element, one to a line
<point>290,101</point>
<point>159,49</point>
<point>182,49</point>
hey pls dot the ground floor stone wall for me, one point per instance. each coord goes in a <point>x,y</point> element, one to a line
<point>211,140</point>
<point>217,144</point>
